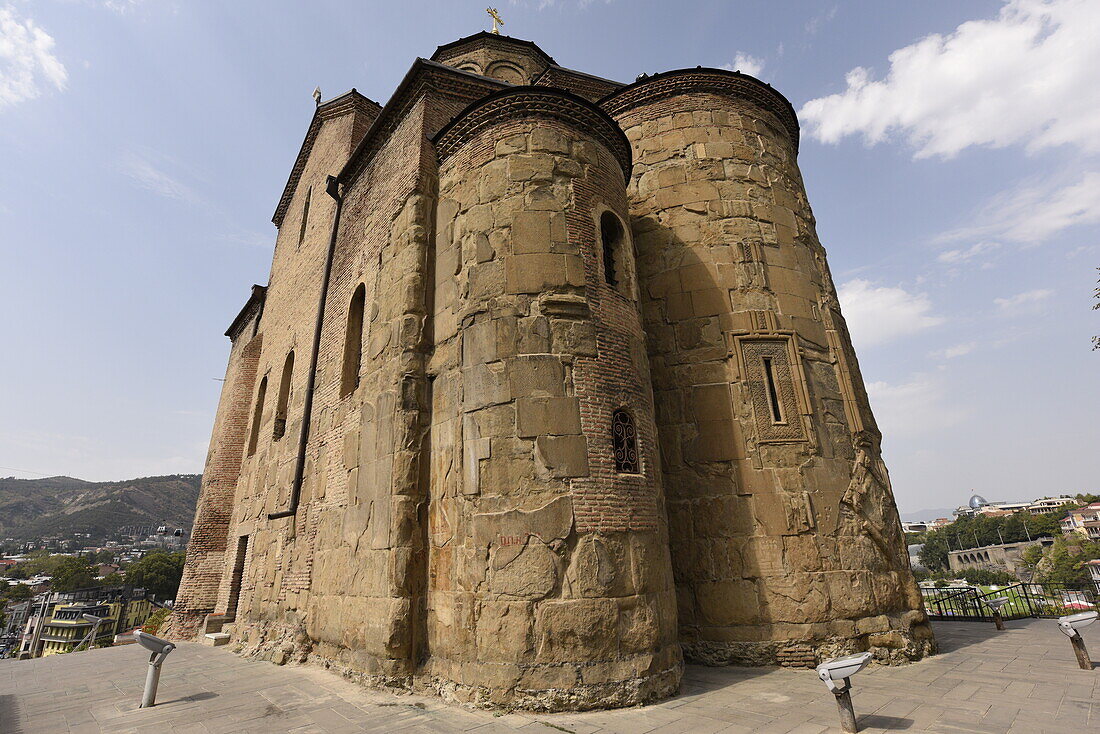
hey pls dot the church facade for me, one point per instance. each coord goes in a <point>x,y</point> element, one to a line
<point>549,391</point>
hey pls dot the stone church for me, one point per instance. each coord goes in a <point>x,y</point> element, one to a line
<point>548,392</point>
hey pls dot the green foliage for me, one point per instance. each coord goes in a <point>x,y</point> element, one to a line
<point>933,555</point>
<point>158,572</point>
<point>103,556</point>
<point>1087,499</point>
<point>72,573</point>
<point>156,619</point>
<point>982,530</point>
<point>18,571</point>
<point>1031,557</point>
<point>112,579</point>
<point>18,592</point>
<point>1064,562</point>
<point>914,538</point>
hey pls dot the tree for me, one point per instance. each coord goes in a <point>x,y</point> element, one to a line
<point>933,555</point>
<point>72,573</point>
<point>112,579</point>
<point>159,573</point>
<point>103,556</point>
<point>18,592</point>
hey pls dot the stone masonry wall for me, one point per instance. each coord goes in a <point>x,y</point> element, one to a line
<point>204,569</point>
<point>784,531</point>
<point>549,578</point>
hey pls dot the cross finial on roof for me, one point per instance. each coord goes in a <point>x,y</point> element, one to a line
<point>496,19</point>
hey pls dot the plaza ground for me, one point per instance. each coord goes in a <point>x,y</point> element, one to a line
<point>1024,679</point>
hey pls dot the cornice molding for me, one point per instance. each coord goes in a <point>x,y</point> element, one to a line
<point>490,40</point>
<point>342,105</point>
<point>424,76</point>
<point>717,81</point>
<point>252,306</point>
<point>530,102</point>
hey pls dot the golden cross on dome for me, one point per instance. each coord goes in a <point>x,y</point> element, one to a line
<point>496,19</point>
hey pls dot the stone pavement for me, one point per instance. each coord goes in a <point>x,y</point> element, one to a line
<point>1022,680</point>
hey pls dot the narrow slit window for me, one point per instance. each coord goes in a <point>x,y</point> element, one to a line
<point>773,393</point>
<point>257,416</point>
<point>611,234</point>
<point>237,578</point>
<point>284,397</point>
<point>353,343</point>
<point>624,439</point>
<point>305,216</point>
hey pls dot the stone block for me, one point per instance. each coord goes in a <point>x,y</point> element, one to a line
<point>538,416</point>
<point>547,139</point>
<point>537,272</point>
<point>531,232</point>
<point>727,602</point>
<point>536,376</point>
<point>531,167</point>
<point>504,630</point>
<point>530,574</point>
<point>576,630</point>
<point>563,456</point>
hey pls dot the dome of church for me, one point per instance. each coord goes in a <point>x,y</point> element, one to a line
<point>977,501</point>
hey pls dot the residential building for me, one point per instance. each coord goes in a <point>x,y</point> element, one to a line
<point>1084,521</point>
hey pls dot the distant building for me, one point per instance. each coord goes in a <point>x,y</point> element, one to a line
<point>978,505</point>
<point>1000,557</point>
<point>55,622</point>
<point>1094,572</point>
<point>1084,521</point>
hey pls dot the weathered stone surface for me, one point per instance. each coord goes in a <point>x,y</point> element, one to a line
<point>588,423</point>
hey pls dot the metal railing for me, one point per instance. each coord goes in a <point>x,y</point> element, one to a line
<point>1024,600</point>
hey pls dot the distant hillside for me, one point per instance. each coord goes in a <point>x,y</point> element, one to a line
<point>32,508</point>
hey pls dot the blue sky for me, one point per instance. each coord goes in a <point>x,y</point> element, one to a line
<point>951,152</point>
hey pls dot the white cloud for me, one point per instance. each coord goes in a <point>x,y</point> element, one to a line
<point>814,24</point>
<point>1033,213</point>
<point>958,350</point>
<point>153,179</point>
<point>1028,77</point>
<point>27,61</point>
<point>914,407</point>
<point>1027,298</point>
<point>879,314</point>
<point>746,64</point>
<point>955,257</point>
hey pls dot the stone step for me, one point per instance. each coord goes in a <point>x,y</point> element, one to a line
<point>214,639</point>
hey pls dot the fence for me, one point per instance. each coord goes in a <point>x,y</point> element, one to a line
<point>1024,600</point>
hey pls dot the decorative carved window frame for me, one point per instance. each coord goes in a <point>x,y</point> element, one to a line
<point>790,383</point>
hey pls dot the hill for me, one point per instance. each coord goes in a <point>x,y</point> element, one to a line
<point>60,506</point>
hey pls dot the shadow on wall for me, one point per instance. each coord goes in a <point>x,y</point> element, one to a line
<point>719,528</point>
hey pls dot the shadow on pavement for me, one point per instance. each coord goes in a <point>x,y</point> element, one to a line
<point>884,722</point>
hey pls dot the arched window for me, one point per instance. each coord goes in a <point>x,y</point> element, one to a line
<point>284,397</point>
<point>353,343</point>
<point>257,416</point>
<point>624,441</point>
<point>611,233</point>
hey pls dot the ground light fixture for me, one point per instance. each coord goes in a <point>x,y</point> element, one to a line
<point>840,670</point>
<point>159,650</point>
<point>996,605</point>
<point>1070,627</point>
